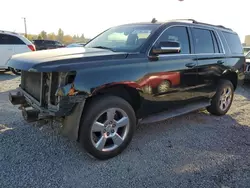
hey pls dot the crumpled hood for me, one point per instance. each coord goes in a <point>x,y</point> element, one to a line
<point>62,59</point>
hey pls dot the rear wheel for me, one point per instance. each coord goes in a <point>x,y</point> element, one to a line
<point>107,127</point>
<point>16,71</point>
<point>223,98</point>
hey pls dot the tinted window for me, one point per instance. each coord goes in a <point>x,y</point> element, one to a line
<point>203,41</point>
<point>215,42</point>
<point>38,41</point>
<point>178,34</point>
<point>48,42</point>
<point>58,43</point>
<point>233,42</point>
<point>9,39</point>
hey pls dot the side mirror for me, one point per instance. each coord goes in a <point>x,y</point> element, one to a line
<point>167,47</point>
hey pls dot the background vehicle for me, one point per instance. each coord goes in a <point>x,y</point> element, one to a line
<point>10,44</point>
<point>99,90</point>
<point>47,44</point>
<point>75,45</point>
<point>246,49</point>
<point>247,69</point>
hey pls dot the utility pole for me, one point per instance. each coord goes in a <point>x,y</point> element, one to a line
<point>25,26</point>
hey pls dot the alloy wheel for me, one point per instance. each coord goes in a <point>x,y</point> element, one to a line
<point>225,98</point>
<point>110,129</point>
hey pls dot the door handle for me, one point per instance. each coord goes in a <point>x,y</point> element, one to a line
<point>220,62</point>
<point>190,65</point>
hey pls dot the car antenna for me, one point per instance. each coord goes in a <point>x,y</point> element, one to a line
<point>153,20</point>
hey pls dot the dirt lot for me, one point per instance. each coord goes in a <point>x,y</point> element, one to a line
<point>196,150</point>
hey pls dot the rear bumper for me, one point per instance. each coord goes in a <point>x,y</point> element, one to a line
<point>30,106</point>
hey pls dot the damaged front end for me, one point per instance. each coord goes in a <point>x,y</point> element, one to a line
<point>46,95</point>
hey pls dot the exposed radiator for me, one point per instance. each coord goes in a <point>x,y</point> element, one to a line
<point>31,83</point>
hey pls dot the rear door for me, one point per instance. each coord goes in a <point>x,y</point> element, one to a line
<point>50,44</point>
<point>20,44</point>
<point>211,59</point>
<point>6,49</point>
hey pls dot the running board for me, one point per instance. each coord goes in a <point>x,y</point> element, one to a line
<point>175,112</point>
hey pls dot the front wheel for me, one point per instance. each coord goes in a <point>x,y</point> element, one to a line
<point>107,127</point>
<point>223,98</point>
<point>16,71</point>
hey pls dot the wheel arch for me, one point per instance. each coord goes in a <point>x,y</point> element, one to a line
<point>127,91</point>
<point>71,123</point>
<point>231,76</point>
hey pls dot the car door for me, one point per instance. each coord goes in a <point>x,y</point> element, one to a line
<point>6,49</point>
<point>19,44</point>
<point>172,77</point>
<point>210,57</point>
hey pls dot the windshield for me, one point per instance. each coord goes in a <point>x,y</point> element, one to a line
<point>126,38</point>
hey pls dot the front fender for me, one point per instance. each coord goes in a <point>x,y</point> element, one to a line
<point>90,80</point>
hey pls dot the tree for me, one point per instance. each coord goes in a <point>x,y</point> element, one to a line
<point>39,37</point>
<point>31,37</point>
<point>67,39</point>
<point>43,35</point>
<point>60,35</point>
<point>52,36</point>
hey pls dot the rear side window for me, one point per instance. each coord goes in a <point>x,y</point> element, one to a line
<point>177,34</point>
<point>48,42</point>
<point>233,42</point>
<point>203,41</point>
<point>10,40</point>
<point>38,42</point>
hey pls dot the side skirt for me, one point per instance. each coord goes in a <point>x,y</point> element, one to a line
<point>175,112</point>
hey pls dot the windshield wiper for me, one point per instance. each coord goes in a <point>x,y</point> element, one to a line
<point>103,47</point>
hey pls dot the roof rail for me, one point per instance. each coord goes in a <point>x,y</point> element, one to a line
<point>8,32</point>
<point>196,22</point>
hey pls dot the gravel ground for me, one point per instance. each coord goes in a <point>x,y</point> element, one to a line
<point>195,150</point>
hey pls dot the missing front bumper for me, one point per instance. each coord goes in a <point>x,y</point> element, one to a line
<point>32,109</point>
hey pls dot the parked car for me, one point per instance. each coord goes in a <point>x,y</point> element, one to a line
<point>75,45</point>
<point>99,91</point>
<point>246,49</point>
<point>247,69</point>
<point>47,44</point>
<point>12,43</point>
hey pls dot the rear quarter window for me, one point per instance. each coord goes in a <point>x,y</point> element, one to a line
<point>10,40</point>
<point>233,42</point>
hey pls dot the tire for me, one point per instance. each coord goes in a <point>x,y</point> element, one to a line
<point>15,71</point>
<point>90,140</point>
<point>221,103</point>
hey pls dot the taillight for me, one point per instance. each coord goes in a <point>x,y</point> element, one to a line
<point>32,47</point>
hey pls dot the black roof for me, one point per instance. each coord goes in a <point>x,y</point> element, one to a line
<point>187,21</point>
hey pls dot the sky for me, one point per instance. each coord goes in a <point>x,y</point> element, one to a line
<point>94,16</point>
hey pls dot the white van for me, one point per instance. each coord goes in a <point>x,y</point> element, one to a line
<point>10,44</point>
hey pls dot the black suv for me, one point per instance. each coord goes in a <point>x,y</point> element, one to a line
<point>247,69</point>
<point>130,74</point>
<point>47,44</point>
